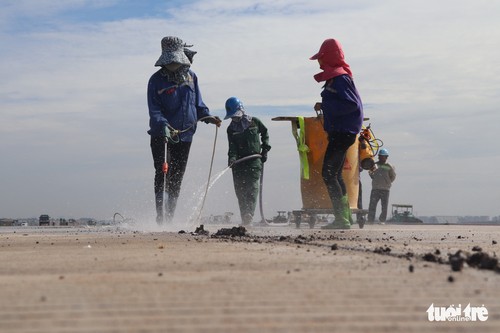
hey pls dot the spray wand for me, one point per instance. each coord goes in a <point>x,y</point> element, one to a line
<point>172,135</point>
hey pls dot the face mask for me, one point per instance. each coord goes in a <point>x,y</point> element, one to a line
<point>236,119</point>
<point>173,67</point>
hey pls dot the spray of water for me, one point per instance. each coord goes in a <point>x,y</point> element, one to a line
<point>199,196</point>
<point>146,222</point>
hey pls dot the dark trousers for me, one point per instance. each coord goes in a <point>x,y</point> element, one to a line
<point>359,216</point>
<point>333,163</point>
<point>177,157</point>
<point>246,185</point>
<point>375,197</point>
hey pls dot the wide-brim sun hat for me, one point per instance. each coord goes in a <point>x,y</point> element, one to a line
<point>173,50</point>
<point>190,54</point>
<point>328,46</point>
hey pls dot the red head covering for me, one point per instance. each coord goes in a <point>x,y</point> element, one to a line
<point>333,63</point>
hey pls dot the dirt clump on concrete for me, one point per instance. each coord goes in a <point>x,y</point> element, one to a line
<point>483,260</point>
<point>239,231</point>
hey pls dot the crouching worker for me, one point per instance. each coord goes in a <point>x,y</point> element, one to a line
<point>247,136</point>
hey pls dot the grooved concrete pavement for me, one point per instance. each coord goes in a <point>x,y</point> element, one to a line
<point>278,280</point>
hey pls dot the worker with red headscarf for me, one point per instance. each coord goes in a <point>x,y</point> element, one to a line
<point>343,117</point>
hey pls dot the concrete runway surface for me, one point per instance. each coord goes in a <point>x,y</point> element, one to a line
<point>383,278</point>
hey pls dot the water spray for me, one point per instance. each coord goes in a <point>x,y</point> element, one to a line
<point>172,136</point>
<point>246,158</point>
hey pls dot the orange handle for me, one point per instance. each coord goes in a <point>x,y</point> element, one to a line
<point>165,167</point>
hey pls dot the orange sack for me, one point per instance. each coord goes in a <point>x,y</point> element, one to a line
<point>313,190</point>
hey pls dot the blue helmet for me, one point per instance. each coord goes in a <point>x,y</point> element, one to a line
<point>383,152</point>
<point>233,105</point>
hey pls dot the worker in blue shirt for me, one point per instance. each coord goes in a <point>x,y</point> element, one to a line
<point>343,117</point>
<point>175,106</point>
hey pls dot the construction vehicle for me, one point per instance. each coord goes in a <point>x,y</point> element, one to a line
<point>311,142</point>
<point>282,217</point>
<point>44,220</point>
<point>403,214</point>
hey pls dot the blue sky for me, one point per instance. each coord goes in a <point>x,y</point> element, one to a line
<point>73,114</point>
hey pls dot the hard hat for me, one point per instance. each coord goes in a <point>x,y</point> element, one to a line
<point>233,105</point>
<point>383,152</point>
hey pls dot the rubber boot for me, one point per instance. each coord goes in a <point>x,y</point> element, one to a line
<point>159,207</point>
<point>246,219</point>
<point>347,209</point>
<point>170,205</point>
<point>340,222</point>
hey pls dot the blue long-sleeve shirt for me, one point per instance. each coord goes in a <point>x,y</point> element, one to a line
<point>342,106</point>
<point>178,105</point>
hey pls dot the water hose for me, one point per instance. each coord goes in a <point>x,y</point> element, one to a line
<point>370,138</point>
<point>174,133</point>
<point>246,158</point>
<point>210,171</point>
<point>114,217</point>
<point>261,207</point>
<point>174,138</point>
<point>262,219</point>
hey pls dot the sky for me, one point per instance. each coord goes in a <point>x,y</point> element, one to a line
<point>73,112</point>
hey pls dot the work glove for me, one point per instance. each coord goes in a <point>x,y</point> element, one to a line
<point>317,107</point>
<point>166,132</point>
<point>213,120</point>
<point>263,156</point>
<point>171,135</point>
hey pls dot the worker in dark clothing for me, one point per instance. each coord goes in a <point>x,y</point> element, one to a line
<point>247,136</point>
<point>175,106</point>
<point>360,218</point>
<point>343,117</point>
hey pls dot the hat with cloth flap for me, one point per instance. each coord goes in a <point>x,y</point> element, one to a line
<point>173,49</point>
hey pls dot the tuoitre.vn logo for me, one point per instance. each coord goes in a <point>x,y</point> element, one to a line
<point>456,313</point>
